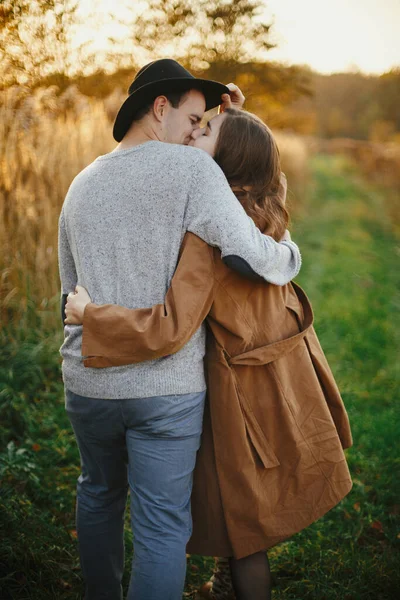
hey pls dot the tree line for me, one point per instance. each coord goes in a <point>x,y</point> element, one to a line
<point>354,105</point>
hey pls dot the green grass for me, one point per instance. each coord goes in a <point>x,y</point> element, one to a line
<point>351,274</point>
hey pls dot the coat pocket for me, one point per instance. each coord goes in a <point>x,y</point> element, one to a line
<point>255,434</point>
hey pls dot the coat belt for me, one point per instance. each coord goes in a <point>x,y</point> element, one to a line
<point>271,352</point>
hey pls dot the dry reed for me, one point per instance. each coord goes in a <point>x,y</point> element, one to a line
<point>45,141</point>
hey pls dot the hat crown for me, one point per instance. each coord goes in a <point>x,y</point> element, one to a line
<point>159,70</point>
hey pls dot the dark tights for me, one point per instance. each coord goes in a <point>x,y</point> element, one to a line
<point>251,577</point>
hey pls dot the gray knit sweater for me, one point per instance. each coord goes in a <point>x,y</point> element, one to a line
<point>120,230</point>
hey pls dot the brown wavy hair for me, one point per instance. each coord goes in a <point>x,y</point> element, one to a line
<point>247,153</point>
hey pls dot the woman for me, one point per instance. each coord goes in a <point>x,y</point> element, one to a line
<point>271,460</point>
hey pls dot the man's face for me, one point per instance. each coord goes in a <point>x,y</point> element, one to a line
<point>179,123</point>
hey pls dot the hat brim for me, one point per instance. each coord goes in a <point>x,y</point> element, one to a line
<point>212,91</point>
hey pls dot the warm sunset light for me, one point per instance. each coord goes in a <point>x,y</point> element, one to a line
<point>337,36</point>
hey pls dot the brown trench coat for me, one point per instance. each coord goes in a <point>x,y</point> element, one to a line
<point>271,460</point>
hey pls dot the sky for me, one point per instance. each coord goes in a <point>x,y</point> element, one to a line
<point>337,35</point>
<point>328,35</point>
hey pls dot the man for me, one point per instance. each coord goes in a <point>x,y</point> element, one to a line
<point>121,228</point>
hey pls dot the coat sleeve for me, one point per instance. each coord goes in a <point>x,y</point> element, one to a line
<point>113,335</point>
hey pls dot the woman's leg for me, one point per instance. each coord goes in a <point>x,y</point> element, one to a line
<point>251,577</point>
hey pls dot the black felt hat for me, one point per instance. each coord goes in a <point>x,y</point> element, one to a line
<point>158,78</point>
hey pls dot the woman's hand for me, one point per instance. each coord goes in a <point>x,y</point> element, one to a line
<point>75,306</point>
<point>234,99</point>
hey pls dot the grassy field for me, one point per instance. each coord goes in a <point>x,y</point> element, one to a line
<point>351,274</point>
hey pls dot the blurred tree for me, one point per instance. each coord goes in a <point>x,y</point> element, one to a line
<point>351,104</point>
<point>382,131</point>
<point>35,40</point>
<point>337,123</point>
<point>388,96</point>
<point>350,94</point>
<point>369,113</point>
<point>197,32</point>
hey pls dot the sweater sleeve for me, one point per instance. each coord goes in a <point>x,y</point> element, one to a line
<point>66,263</point>
<point>215,215</point>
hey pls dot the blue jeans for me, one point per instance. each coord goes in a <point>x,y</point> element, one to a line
<point>149,444</point>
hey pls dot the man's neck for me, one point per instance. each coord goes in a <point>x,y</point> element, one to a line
<point>136,135</point>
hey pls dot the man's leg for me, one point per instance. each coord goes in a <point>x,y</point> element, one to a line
<point>101,493</point>
<point>162,440</point>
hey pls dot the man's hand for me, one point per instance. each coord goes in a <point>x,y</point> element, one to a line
<point>75,306</point>
<point>234,99</point>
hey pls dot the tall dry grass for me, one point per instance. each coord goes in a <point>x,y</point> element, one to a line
<point>45,140</point>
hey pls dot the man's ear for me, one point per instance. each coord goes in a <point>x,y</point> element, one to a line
<point>159,107</point>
